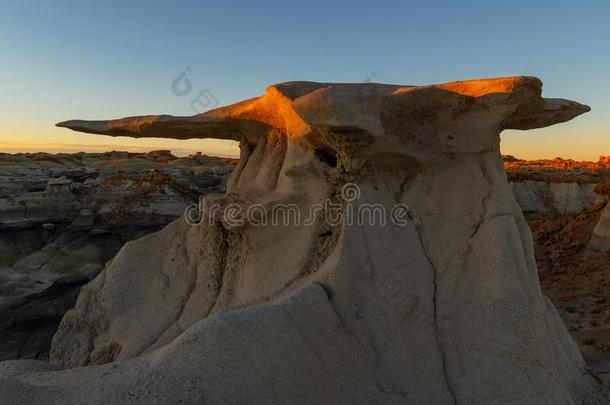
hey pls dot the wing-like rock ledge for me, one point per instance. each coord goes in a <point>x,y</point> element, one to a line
<point>308,112</point>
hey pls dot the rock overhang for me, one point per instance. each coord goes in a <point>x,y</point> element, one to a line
<point>366,118</point>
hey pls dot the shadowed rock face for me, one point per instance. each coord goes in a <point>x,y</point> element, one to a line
<point>442,307</point>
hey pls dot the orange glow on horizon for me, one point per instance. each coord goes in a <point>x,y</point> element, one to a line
<point>217,148</point>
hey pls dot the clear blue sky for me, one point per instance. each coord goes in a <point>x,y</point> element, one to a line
<point>93,60</point>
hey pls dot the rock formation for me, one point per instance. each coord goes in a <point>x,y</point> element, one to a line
<point>556,186</point>
<point>600,238</point>
<point>62,217</point>
<point>537,198</point>
<point>441,307</point>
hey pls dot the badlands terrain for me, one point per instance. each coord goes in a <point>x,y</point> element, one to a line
<point>76,210</point>
<point>566,205</point>
<point>444,306</point>
<point>63,216</point>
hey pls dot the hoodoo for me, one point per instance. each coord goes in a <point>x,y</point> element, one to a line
<point>425,291</point>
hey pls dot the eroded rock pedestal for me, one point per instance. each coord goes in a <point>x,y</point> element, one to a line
<point>444,309</point>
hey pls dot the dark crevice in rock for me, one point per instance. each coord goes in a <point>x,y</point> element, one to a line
<point>328,157</point>
<point>437,330</point>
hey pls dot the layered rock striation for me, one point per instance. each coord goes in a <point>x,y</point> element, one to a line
<point>62,217</point>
